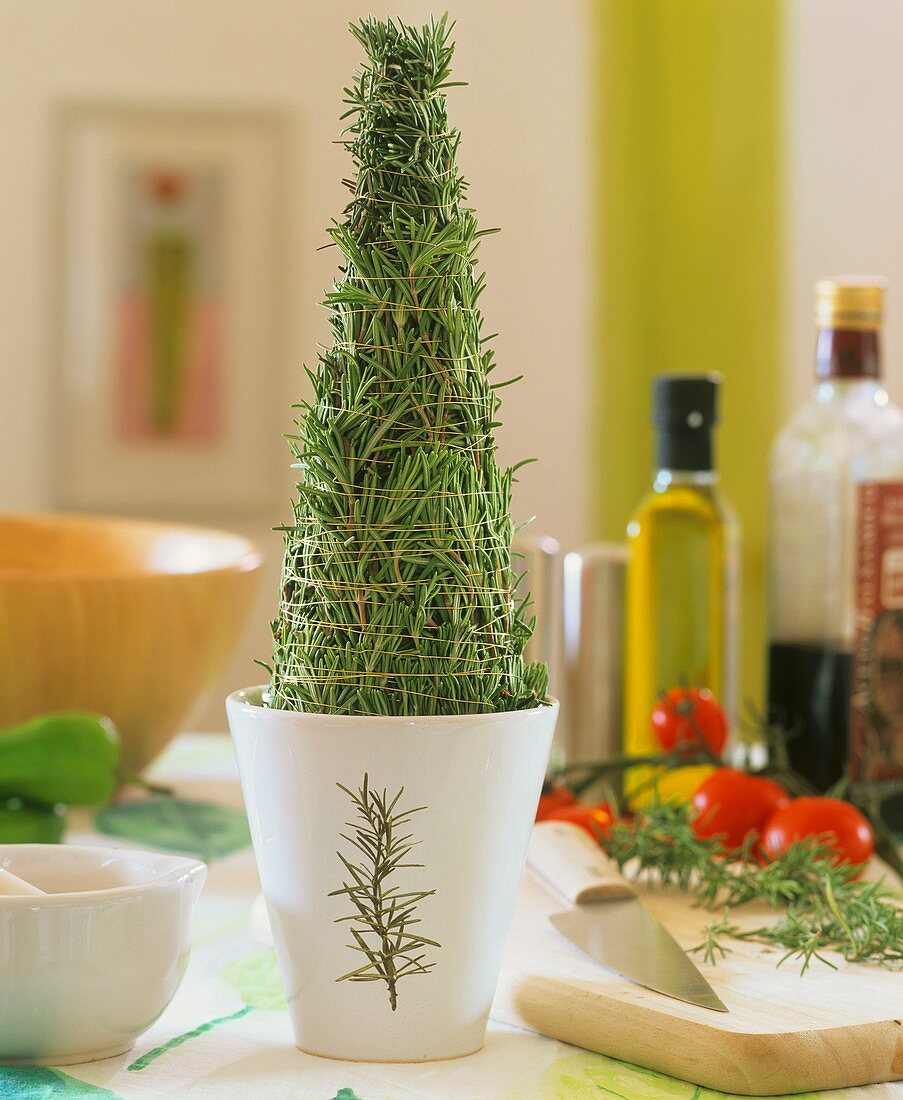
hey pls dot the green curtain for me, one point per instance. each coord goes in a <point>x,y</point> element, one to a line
<point>687,133</point>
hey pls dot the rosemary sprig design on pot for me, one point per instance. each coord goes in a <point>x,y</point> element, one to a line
<point>382,924</point>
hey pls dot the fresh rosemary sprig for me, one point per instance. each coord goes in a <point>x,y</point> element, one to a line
<point>825,906</point>
<point>384,915</point>
<point>712,947</point>
<point>398,594</point>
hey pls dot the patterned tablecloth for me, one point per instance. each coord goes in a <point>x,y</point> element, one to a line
<point>226,1033</point>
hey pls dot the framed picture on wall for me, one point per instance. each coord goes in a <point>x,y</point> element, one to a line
<point>171,279</point>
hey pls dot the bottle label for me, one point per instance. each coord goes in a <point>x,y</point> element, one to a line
<point>876,726</point>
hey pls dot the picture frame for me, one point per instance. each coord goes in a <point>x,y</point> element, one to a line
<point>171,278</point>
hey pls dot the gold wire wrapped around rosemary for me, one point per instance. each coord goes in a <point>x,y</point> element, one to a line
<point>397,588</point>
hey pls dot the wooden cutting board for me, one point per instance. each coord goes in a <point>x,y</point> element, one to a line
<point>785,1032</point>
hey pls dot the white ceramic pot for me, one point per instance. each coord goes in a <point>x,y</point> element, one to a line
<point>464,791</point>
<point>89,965</point>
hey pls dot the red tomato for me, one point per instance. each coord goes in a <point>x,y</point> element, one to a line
<point>554,796</point>
<point>844,827</point>
<point>596,820</point>
<point>684,716</point>
<point>732,804</point>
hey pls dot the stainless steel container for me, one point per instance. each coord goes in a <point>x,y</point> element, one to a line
<point>593,694</point>
<point>538,558</point>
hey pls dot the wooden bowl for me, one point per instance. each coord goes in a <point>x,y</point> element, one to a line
<point>128,618</point>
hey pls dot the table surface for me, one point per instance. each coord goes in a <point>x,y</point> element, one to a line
<point>227,1034</point>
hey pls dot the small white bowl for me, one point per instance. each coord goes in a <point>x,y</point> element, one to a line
<point>85,969</point>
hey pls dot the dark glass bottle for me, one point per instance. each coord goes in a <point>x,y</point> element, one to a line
<point>844,444</point>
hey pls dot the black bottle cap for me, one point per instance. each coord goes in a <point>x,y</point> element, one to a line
<point>685,409</point>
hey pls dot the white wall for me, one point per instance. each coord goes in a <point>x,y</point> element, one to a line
<point>844,84</point>
<point>524,150</point>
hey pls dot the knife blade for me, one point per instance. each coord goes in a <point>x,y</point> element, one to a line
<point>608,921</point>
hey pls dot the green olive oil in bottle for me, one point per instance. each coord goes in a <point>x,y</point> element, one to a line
<point>681,574</point>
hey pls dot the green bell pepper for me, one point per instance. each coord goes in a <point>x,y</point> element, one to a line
<point>68,757</point>
<point>21,823</point>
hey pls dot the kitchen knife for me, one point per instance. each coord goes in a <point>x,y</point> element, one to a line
<point>607,920</point>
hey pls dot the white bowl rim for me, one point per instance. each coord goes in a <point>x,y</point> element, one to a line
<point>243,699</point>
<point>185,870</point>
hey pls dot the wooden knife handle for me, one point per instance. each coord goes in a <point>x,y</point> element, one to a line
<point>571,862</point>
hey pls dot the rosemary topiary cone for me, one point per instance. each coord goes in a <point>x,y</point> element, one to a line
<point>398,588</point>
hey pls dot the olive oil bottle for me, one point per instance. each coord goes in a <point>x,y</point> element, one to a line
<point>681,573</point>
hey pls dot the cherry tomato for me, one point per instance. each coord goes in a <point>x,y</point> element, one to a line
<point>684,715</point>
<point>555,795</point>
<point>732,804</point>
<point>597,820</point>
<point>846,830</point>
